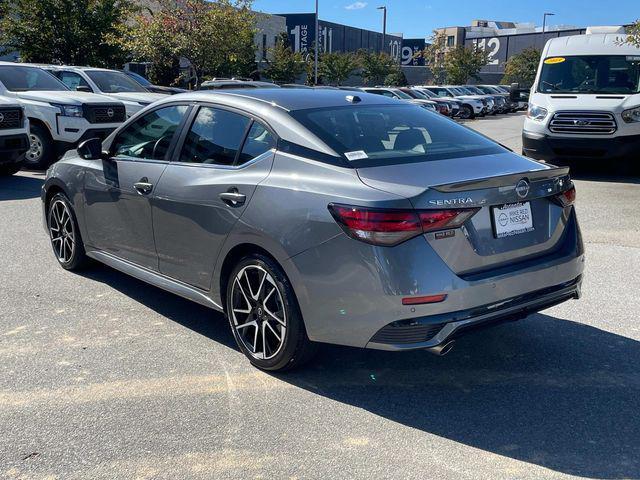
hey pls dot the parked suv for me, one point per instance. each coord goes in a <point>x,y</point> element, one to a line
<point>400,95</point>
<point>58,117</point>
<point>472,106</point>
<point>14,139</point>
<point>113,83</point>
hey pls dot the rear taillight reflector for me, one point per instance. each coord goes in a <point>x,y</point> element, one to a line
<point>391,227</point>
<point>422,300</point>
<point>568,197</point>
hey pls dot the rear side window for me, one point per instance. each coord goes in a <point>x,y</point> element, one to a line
<point>259,141</point>
<point>71,79</point>
<point>215,137</point>
<point>150,136</point>
<point>386,134</point>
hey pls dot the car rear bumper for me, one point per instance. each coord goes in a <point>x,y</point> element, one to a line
<point>349,291</point>
<point>544,147</point>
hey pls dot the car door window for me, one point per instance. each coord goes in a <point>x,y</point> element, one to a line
<point>215,137</point>
<point>259,140</point>
<point>71,79</point>
<point>149,137</point>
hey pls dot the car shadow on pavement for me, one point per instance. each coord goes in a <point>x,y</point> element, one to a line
<point>19,187</point>
<point>547,391</point>
<point>198,318</point>
<point>604,172</point>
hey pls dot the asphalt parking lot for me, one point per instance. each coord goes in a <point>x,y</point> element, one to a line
<point>103,377</point>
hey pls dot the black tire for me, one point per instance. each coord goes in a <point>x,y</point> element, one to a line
<point>64,235</point>
<point>41,151</point>
<point>466,112</point>
<point>281,353</point>
<point>10,169</point>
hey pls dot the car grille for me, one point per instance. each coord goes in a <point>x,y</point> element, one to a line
<point>602,123</point>
<point>403,333</point>
<point>104,113</point>
<point>10,118</point>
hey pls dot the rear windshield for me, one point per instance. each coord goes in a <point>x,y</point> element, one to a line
<point>25,79</point>
<point>616,74</point>
<point>372,135</point>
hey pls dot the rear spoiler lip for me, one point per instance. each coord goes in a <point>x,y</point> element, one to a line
<point>502,180</point>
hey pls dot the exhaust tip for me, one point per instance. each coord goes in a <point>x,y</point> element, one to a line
<point>442,349</point>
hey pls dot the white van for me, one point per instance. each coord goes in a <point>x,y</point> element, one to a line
<point>585,101</point>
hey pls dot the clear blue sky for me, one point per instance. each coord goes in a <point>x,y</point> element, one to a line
<point>417,18</point>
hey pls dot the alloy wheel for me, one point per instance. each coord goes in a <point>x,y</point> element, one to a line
<point>36,148</point>
<point>61,231</point>
<point>258,312</point>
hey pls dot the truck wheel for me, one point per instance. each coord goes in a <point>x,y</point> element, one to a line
<point>41,150</point>
<point>10,169</point>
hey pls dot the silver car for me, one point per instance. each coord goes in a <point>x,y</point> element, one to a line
<point>312,216</point>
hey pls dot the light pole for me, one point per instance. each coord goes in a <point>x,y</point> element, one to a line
<point>315,55</point>
<point>384,26</point>
<point>544,22</point>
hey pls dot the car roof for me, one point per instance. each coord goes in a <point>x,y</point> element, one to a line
<point>286,98</point>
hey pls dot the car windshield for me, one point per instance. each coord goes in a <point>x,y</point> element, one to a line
<point>616,74</point>
<point>459,91</point>
<point>114,82</point>
<point>24,79</point>
<point>474,90</point>
<point>402,94</point>
<point>386,134</point>
<point>420,94</point>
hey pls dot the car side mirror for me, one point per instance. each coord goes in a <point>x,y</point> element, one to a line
<point>91,149</point>
<point>83,88</point>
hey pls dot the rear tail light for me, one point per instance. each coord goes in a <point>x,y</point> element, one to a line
<point>568,197</point>
<point>391,227</point>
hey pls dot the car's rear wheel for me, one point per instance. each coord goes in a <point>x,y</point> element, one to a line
<point>265,317</point>
<point>64,234</point>
<point>41,149</point>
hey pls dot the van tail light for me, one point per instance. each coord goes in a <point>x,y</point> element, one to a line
<point>568,197</point>
<point>391,227</point>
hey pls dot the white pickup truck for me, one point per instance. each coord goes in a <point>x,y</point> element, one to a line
<point>59,118</point>
<point>14,139</point>
<point>585,101</point>
<point>113,83</point>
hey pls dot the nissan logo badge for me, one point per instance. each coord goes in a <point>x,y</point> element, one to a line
<point>110,112</point>
<point>522,188</point>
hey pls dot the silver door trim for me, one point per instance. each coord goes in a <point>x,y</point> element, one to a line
<point>154,278</point>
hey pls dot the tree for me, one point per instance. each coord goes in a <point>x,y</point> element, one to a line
<point>335,68</point>
<point>396,78</point>
<point>375,66</point>
<point>522,68</point>
<point>634,34</point>
<point>434,54</point>
<point>216,38</point>
<point>462,63</point>
<point>75,32</point>
<point>283,64</point>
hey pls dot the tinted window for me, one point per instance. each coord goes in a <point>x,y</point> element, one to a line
<point>214,137</point>
<point>149,137</point>
<point>114,82</point>
<point>24,79</point>
<point>616,74</point>
<point>70,79</point>
<point>258,142</point>
<point>381,134</point>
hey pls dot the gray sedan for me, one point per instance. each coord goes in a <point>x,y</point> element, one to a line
<point>314,216</point>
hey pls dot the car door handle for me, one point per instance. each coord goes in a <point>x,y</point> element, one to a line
<point>143,187</point>
<point>233,197</point>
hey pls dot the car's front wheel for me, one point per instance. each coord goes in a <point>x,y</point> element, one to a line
<point>64,233</point>
<point>466,112</point>
<point>41,149</point>
<point>265,317</point>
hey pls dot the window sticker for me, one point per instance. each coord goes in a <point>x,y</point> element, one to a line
<point>554,60</point>
<point>356,155</point>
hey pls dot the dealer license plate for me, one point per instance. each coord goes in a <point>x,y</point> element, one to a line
<point>512,219</point>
